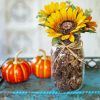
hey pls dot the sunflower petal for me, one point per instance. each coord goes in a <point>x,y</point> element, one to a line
<point>89,18</point>
<point>64,14</point>
<point>47,9</point>
<point>52,33</point>
<point>56,6</point>
<point>69,13</point>
<point>48,25</point>
<point>81,20</point>
<point>42,12</point>
<point>63,5</point>
<point>58,16</point>
<point>52,6</point>
<point>79,9</point>
<point>72,38</point>
<point>65,37</point>
<point>78,28</point>
<point>75,30</point>
<point>50,20</point>
<point>41,19</point>
<point>86,21</point>
<point>74,14</point>
<point>93,29</point>
<point>79,17</point>
<point>92,23</point>
<point>75,11</point>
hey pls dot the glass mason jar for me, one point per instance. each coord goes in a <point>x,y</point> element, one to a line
<point>68,65</point>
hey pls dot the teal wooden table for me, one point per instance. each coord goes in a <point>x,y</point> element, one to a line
<point>44,89</point>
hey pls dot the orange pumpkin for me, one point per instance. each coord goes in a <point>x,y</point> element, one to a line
<point>41,66</point>
<point>16,70</point>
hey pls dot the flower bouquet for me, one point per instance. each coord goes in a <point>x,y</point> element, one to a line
<point>65,23</point>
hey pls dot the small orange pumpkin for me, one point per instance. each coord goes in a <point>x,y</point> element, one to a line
<point>16,70</point>
<point>41,66</point>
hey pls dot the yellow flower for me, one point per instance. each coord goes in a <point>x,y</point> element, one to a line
<point>51,8</point>
<point>64,23</point>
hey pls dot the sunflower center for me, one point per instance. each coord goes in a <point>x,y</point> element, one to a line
<point>66,27</point>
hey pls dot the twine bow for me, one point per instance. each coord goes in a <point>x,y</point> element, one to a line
<point>75,45</point>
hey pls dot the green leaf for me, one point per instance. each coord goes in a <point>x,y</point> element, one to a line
<point>55,40</point>
<point>73,6</point>
<point>42,25</point>
<point>39,16</point>
<point>90,31</point>
<point>88,12</point>
<point>68,1</point>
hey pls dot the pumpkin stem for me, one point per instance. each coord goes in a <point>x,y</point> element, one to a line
<point>16,56</point>
<point>44,53</point>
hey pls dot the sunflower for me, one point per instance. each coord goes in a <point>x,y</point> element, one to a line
<point>64,23</point>
<point>90,25</point>
<point>51,8</point>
